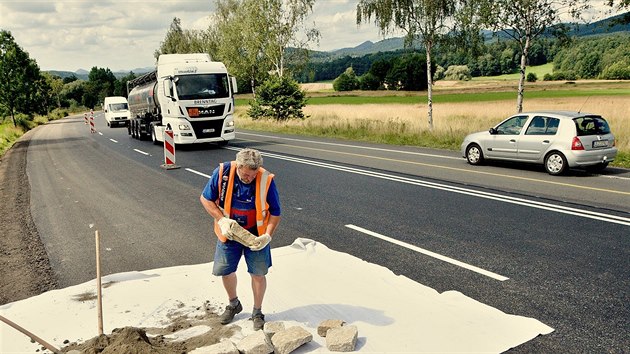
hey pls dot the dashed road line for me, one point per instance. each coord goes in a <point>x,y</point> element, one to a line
<point>430,254</point>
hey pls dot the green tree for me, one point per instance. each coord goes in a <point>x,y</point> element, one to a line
<point>524,21</point>
<point>239,42</point>
<point>101,84</point>
<point>120,86</point>
<point>617,71</point>
<point>369,82</point>
<point>457,73</point>
<point>423,20</point>
<point>254,36</point>
<point>56,85</point>
<point>22,87</point>
<point>72,93</point>
<point>379,68</point>
<point>278,98</point>
<point>179,40</point>
<point>347,81</point>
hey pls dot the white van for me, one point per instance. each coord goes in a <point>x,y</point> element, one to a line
<point>116,111</point>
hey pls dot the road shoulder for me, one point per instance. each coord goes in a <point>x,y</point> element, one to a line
<point>26,269</point>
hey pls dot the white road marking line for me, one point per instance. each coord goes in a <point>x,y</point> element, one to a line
<point>110,139</point>
<point>454,189</point>
<point>141,152</point>
<point>615,177</point>
<point>430,254</point>
<point>355,146</point>
<point>99,133</point>
<point>197,172</point>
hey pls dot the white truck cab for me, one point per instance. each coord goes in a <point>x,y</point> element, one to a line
<point>116,110</point>
<point>189,94</point>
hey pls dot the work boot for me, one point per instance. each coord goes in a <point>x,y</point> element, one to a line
<point>230,311</point>
<point>259,321</point>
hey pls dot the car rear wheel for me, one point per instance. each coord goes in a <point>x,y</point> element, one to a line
<point>555,163</point>
<point>474,156</point>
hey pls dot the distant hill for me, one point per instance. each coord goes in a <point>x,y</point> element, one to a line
<point>82,74</point>
<point>606,26</point>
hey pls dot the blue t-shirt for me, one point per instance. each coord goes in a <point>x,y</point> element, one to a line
<point>243,198</point>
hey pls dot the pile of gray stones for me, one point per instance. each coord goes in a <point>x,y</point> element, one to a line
<point>275,338</point>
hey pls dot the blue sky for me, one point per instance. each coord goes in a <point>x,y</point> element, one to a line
<point>122,35</point>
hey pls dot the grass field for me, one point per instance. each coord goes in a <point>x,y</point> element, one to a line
<point>459,108</point>
<point>539,70</point>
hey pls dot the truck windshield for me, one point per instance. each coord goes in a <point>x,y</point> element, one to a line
<point>194,87</point>
<point>115,107</point>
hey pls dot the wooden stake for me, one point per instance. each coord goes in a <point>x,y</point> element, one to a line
<point>30,335</point>
<point>99,298</point>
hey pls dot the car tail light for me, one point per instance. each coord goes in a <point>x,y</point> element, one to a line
<point>576,144</point>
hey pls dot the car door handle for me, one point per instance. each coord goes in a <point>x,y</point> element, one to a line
<point>512,140</point>
<point>545,141</point>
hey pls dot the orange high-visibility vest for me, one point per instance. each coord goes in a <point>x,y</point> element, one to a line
<point>263,181</point>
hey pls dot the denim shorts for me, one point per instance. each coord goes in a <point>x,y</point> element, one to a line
<point>228,254</point>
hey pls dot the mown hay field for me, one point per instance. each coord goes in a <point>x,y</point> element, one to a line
<point>407,124</point>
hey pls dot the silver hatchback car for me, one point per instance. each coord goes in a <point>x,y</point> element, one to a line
<point>557,139</point>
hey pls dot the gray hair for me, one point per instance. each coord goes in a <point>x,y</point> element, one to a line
<point>250,158</point>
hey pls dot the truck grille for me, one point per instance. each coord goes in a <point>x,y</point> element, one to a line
<point>207,129</point>
<point>205,112</point>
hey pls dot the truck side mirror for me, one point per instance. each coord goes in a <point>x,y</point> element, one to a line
<point>168,89</point>
<point>234,86</point>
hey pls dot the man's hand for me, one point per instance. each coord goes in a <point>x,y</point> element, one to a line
<point>225,224</point>
<point>260,242</point>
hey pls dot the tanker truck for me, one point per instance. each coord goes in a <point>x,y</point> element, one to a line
<point>187,93</point>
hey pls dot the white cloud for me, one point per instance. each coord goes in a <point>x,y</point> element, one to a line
<point>123,34</point>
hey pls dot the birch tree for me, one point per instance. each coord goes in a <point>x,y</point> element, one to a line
<point>254,35</point>
<point>423,20</point>
<point>526,20</point>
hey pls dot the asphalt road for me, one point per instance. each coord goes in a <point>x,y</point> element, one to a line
<point>553,248</point>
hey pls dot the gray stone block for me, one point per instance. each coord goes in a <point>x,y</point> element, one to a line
<point>288,340</point>
<point>342,339</point>
<point>224,347</point>
<point>256,343</point>
<point>272,328</point>
<point>325,325</point>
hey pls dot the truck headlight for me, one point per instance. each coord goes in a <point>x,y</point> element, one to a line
<point>184,127</point>
<point>230,124</point>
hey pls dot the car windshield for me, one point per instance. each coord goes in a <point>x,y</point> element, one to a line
<point>591,125</point>
<point>115,107</point>
<point>194,87</point>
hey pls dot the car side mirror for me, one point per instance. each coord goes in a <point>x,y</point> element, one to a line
<point>492,131</point>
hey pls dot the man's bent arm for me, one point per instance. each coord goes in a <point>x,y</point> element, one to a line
<point>211,208</point>
<point>272,224</point>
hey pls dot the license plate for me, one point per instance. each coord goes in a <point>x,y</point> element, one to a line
<point>208,130</point>
<point>600,143</point>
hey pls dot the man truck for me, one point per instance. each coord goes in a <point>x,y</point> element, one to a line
<point>187,93</point>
